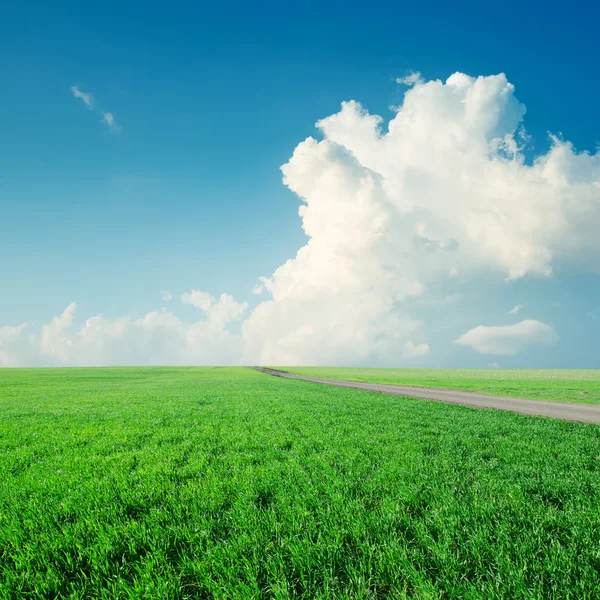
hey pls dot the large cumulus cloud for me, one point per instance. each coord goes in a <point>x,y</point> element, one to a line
<point>442,193</point>
<point>389,213</point>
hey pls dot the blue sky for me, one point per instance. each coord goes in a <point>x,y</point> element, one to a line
<point>210,103</point>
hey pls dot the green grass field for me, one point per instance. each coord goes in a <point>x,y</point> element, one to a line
<point>228,483</point>
<point>563,385</point>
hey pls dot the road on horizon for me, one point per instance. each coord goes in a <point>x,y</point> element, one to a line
<point>583,413</point>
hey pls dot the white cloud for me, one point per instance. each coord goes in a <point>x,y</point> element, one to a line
<point>54,341</point>
<point>109,119</point>
<point>219,312</point>
<point>166,296</point>
<point>199,299</point>
<point>226,310</point>
<point>391,212</point>
<point>411,79</point>
<point>515,309</point>
<point>412,350</point>
<point>15,350</point>
<point>508,340</point>
<point>88,99</point>
<point>85,97</point>
<point>258,289</point>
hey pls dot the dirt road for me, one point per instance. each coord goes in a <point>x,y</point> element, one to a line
<point>584,413</point>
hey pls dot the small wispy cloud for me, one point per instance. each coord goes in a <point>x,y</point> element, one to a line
<point>516,309</point>
<point>166,296</point>
<point>88,99</point>
<point>594,314</point>
<point>109,119</point>
<point>411,79</point>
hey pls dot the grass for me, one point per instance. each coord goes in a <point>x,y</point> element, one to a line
<point>177,483</point>
<point>563,385</point>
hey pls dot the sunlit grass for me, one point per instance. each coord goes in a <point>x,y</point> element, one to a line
<point>228,483</point>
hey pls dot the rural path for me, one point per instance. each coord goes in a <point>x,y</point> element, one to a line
<point>584,413</point>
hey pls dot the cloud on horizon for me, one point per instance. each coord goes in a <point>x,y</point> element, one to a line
<point>441,196</point>
<point>157,338</point>
<point>508,340</point>
<point>412,350</point>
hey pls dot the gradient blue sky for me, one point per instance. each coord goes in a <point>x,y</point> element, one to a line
<point>211,101</point>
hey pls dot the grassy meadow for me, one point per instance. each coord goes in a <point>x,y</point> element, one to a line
<point>563,385</point>
<point>206,483</point>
